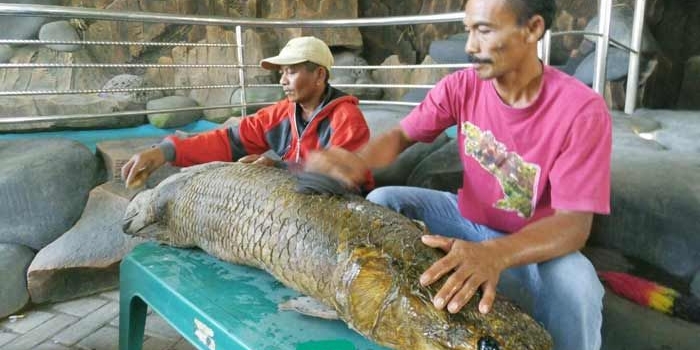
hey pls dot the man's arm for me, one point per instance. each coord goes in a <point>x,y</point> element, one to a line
<point>479,264</point>
<point>351,168</point>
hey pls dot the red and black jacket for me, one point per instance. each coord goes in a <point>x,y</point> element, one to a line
<point>338,123</point>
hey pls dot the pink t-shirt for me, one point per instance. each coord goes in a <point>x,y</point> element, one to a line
<point>520,164</point>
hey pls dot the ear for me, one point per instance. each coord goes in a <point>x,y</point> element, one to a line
<point>535,29</point>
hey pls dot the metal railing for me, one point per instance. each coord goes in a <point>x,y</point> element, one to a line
<point>603,40</point>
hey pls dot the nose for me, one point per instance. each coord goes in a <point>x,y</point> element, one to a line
<point>283,79</point>
<point>471,46</point>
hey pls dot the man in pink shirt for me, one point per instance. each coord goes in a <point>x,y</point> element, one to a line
<point>535,145</point>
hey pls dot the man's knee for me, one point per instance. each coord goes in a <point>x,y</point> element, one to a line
<point>574,276</point>
<point>381,196</point>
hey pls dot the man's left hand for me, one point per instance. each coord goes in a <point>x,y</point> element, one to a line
<point>472,266</point>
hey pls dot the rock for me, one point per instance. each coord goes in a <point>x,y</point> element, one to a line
<point>58,105</point>
<point>6,53</point>
<point>398,172</point>
<point>353,76</point>
<point>604,259</point>
<point>172,119</point>
<point>440,170</point>
<point>255,95</point>
<point>695,284</point>
<point>21,27</point>
<point>689,97</point>
<point>621,19</point>
<point>44,185</point>
<point>615,68</point>
<point>679,131</point>
<point>382,118</point>
<point>630,326</point>
<point>60,31</point>
<point>84,260</point>
<point>655,209</point>
<point>129,81</point>
<point>14,260</point>
<point>116,153</point>
<point>450,51</point>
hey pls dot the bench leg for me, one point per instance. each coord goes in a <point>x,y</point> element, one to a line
<point>132,321</point>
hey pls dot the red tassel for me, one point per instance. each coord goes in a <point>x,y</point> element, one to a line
<point>652,295</point>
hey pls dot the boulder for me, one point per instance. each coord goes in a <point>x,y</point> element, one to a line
<point>255,94</point>
<point>172,119</point>
<point>84,260</point>
<point>59,31</point>
<point>14,260</point>
<point>44,185</point>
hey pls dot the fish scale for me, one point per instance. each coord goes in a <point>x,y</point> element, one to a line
<point>357,257</point>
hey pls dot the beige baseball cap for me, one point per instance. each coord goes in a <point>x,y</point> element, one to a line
<point>298,50</point>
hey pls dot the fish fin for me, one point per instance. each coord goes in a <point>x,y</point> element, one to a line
<point>309,306</point>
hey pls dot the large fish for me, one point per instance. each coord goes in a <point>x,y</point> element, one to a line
<point>359,258</point>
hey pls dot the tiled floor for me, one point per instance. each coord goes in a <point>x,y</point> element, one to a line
<point>89,323</point>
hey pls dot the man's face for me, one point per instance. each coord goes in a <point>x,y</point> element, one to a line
<point>299,84</point>
<point>496,42</point>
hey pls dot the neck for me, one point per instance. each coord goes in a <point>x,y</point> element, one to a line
<point>308,107</point>
<point>520,87</point>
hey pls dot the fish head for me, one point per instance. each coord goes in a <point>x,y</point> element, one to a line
<point>382,298</point>
<point>147,214</point>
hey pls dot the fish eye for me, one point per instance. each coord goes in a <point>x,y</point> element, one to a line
<point>488,343</point>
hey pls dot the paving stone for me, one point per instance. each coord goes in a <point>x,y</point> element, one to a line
<point>156,326</point>
<point>50,345</point>
<point>112,295</point>
<point>6,337</point>
<point>105,338</point>
<point>88,325</point>
<point>155,343</point>
<point>80,307</point>
<point>41,333</point>
<point>183,344</point>
<point>29,321</point>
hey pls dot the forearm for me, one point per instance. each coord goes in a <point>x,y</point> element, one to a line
<point>383,150</point>
<point>545,239</point>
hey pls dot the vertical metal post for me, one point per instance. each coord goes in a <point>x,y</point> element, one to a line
<point>241,70</point>
<point>604,12</point>
<point>544,47</point>
<point>636,49</point>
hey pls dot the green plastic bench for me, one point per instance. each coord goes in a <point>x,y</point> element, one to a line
<point>218,305</point>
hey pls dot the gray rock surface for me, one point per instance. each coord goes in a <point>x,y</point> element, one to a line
<point>695,284</point>
<point>679,131</point>
<point>440,170</point>
<point>20,27</point>
<point>397,173</point>
<point>84,260</point>
<point>383,118</point>
<point>44,185</point>
<point>6,52</point>
<point>172,119</point>
<point>655,209</point>
<point>255,94</point>
<point>353,76</point>
<point>54,105</point>
<point>14,260</point>
<point>689,97</point>
<point>59,31</point>
<point>630,326</point>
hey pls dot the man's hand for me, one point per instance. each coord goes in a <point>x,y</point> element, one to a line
<point>257,159</point>
<point>339,164</point>
<point>473,266</point>
<point>137,170</point>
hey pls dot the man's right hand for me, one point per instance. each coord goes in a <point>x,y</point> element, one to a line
<point>137,170</point>
<point>339,164</point>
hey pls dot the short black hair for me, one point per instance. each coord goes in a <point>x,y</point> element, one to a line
<point>310,67</point>
<point>525,9</point>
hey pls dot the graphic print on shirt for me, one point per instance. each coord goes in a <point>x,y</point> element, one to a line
<point>517,178</point>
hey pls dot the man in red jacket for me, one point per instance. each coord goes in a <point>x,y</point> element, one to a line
<point>313,116</point>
